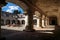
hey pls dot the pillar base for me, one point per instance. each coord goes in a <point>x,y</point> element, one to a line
<point>41,26</point>
<point>28,29</point>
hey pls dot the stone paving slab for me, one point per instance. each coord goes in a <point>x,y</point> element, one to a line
<point>22,35</point>
<point>22,28</point>
<point>38,29</point>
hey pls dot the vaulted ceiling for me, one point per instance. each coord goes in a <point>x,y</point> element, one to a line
<point>38,5</point>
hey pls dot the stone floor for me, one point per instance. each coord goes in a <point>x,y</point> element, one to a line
<point>22,35</point>
<point>19,28</point>
<point>16,33</point>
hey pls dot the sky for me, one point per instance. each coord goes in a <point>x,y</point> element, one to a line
<point>10,7</point>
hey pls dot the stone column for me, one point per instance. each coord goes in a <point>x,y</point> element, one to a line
<point>46,21</point>
<point>40,21</point>
<point>2,3</point>
<point>4,22</point>
<point>16,22</point>
<point>43,23</point>
<point>10,22</point>
<point>20,22</point>
<point>26,20</point>
<point>29,27</point>
<point>0,21</point>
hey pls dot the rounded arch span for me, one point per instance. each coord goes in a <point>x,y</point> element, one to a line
<point>19,3</point>
<point>25,5</point>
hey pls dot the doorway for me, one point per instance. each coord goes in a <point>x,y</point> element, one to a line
<point>52,20</point>
<point>7,22</point>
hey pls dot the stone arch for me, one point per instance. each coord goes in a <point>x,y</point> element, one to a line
<point>35,21</point>
<point>25,6</point>
<point>13,21</point>
<point>23,21</point>
<point>53,20</point>
<point>18,22</point>
<point>19,3</point>
<point>7,21</point>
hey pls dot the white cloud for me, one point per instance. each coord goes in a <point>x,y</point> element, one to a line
<point>9,11</point>
<point>13,7</point>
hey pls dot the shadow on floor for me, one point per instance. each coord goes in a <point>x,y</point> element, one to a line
<point>22,35</point>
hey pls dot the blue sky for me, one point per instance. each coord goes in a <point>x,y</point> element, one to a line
<point>10,7</point>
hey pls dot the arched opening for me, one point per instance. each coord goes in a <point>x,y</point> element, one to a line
<point>18,22</point>
<point>52,20</point>
<point>23,21</point>
<point>7,22</point>
<point>35,22</point>
<point>2,22</point>
<point>13,22</point>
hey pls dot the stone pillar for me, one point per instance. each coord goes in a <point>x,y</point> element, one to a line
<point>2,3</point>
<point>16,22</point>
<point>46,21</point>
<point>43,23</point>
<point>29,27</point>
<point>0,21</point>
<point>40,21</point>
<point>20,22</point>
<point>10,22</point>
<point>26,20</point>
<point>4,22</point>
